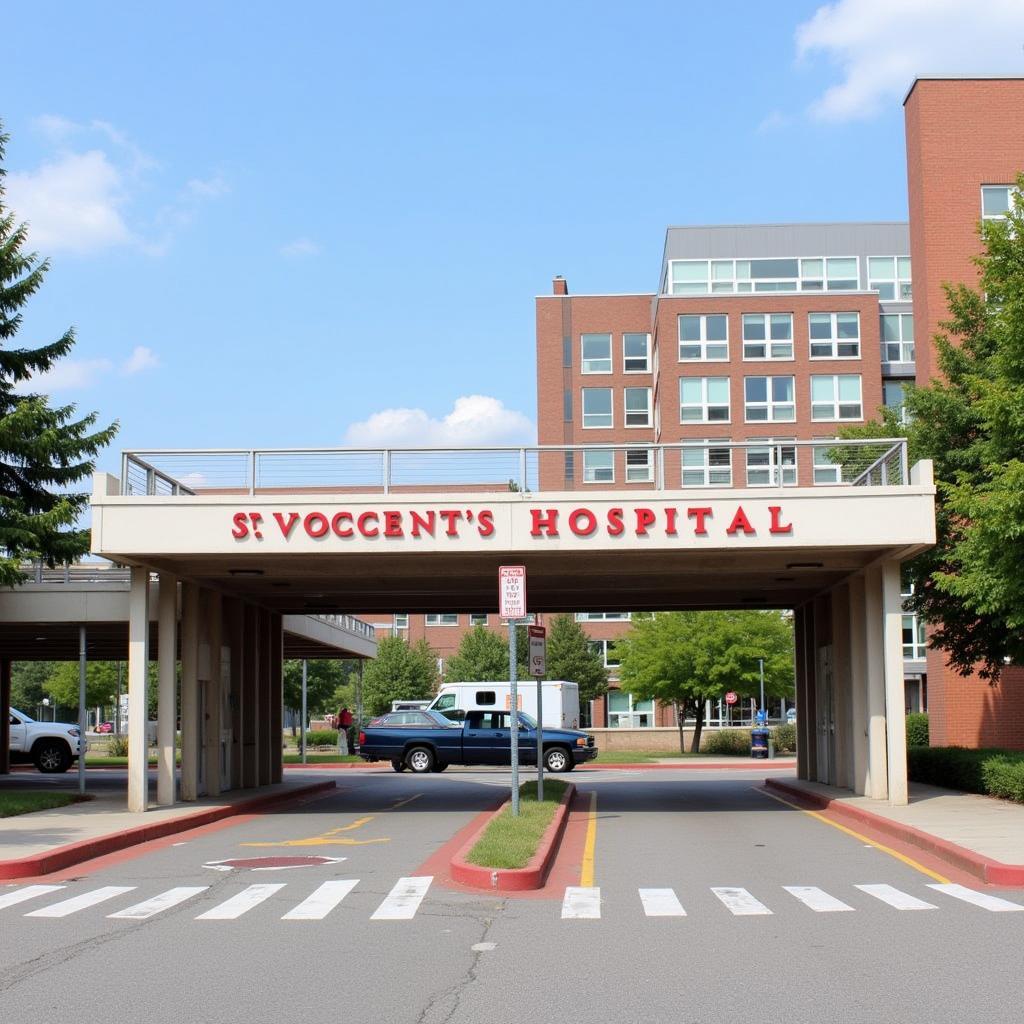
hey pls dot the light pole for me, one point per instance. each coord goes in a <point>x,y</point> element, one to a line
<point>764,710</point>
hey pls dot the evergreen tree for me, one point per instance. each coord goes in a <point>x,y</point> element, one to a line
<point>570,657</point>
<point>399,672</point>
<point>44,451</point>
<point>482,657</point>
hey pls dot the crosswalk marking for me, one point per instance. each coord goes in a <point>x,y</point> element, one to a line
<point>661,903</point>
<point>323,900</point>
<point>10,899</point>
<point>404,899</point>
<point>739,901</point>
<point>242,902</point>
<point>166,900</point>
<point>980,899</point>
<point>582,902</point>
<point>896,898</point>
<point>76,903</point>
<point>817,899</point>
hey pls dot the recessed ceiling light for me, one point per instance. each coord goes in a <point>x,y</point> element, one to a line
<point>40,637</point>
<point>245,572</point>
<point>805,565</point>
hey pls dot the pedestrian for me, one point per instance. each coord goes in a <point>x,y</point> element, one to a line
<point>344,728</point>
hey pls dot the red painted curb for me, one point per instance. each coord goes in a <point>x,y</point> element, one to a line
<point>718,766</point>
<point>994,872</point>
<point>87,849</point>
<point>515,879</point>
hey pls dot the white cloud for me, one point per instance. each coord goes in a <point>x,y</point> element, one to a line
<point>880,46</point>
<point>142,358</point>
<point>207,188</point>
<point>68,375</point>
<point>474,420</point>
<point>301,247</point>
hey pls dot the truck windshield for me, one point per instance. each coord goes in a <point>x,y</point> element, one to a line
<point>527,721</point>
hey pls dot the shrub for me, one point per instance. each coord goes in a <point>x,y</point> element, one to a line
<point>917,730</point>
<point>117,746</point>
<point>322,738</point>
<point>784,737</point>
<point>993,772</point>
<point>725,741</point>
<point>1003,775</point>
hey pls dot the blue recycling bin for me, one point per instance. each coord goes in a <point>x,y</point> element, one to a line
<point>759,744</point>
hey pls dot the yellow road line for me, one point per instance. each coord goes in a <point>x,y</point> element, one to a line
<point>407,800</point>
<point>587,868</point>
<point>857,835</point>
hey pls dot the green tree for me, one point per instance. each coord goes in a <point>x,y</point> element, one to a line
<point>323,678</point>
<point>687,658</point>
<point>570,657</point>
<point>44,451</point>
<point>482,656</point>
<point>100,684</point>
<point>28,684</point>
<point>399,672</point>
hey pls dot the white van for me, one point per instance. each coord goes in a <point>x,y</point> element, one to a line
<point>561,700</point>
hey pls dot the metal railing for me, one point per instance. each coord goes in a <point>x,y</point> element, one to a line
<point>682,465</point>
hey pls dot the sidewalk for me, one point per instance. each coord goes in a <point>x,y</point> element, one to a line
<point>977,834</point>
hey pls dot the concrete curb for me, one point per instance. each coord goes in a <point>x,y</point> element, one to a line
<point>718,766</point>
<point>993,872</point>
<point>99,846</point>
<point>534,874</point>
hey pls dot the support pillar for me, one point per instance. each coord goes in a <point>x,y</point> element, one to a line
<point>858,686</point>
<point>895,714</point>
<point>5,716</point>
<point>802,745</point>
<point>189,691</point>
<point>214,698</point>
<point>842,685</point>
<point>250,700</point>
<point>138,685</point>
<point>874,653</point>
<point>233,611</point>
<point>277,696</point>
<point>265,748</point>
<point>167,710</point>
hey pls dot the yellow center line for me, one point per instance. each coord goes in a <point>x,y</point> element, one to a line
<point>587,867</point>
<point>857,835</point>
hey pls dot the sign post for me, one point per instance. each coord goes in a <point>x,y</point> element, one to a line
<point>538,669</point>
<point>511,607</point>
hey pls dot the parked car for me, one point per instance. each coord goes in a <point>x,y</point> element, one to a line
<point>105,727</point>
<point>791,716</point>
<point>50,746</point>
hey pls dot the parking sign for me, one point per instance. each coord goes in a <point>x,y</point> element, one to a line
<point>538,650</point>
<point>512,591</point>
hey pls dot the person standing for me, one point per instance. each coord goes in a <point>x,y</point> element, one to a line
<point>344,729</point>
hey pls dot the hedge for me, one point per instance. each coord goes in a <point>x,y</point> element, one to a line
<point>917,729</point>
<point>725,741</point>
<point>784,737</point>
<point>321,738</point>
<point>992,771</point>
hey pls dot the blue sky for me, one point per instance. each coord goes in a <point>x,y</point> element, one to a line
<point>278,227</point>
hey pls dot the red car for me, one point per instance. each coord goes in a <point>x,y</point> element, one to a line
<point>105,727</point>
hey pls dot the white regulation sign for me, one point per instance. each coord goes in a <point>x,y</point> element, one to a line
<point>512,591</point>
<point>538,650</point>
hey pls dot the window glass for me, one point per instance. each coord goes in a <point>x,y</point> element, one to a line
<point>639,465</point>
<point>703,337</point>
<point>447,619</point>
<point>638,407</point>
<point>486,697</point>
<point>706,466</point>
<point>597,407</point>
<point>834,335</point>
<point>402,621</point>
<point>825,470</point>
<point>636,349</point>
<point>769,399</point>
<point>478,619</point>
<point>599,466</point>
<point>597,353</point>
<point>995,200</point>
<point>765,465</point>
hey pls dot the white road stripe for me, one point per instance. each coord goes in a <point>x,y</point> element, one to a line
<point>581,902</point>
<point>235,907</point>
<point>29,892</point>
<point>817,899</point>
<point>739,901</point>
<point>661,903</point>
<point>896,898</point>
<point>980,899</point>
<point>164,901</point>
<point>404,899</point>
<point>76,903</point>
<point>323,900</point>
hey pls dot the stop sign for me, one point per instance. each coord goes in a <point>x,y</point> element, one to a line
<point>731,698</point>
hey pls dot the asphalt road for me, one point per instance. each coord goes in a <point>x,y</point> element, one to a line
<point>693,923</point>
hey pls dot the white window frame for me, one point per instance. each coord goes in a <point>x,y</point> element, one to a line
<point>627,412</point>
<point>771,467</point>
<point>591,468</point>
<point>903,345</point>
<point>637,473</point>
<point>767,343</point>
<point>699,471</point>
<point>704,405</point>
<point>900,284</point>
<point>1012,195</point>
<point>610,414</point>
<point>604,646</point>
<point>825,472</point>
<point>733,276</point>
<point>400,620</point>
<point>901,408</point>
<point>770,405</point>
<point>647,352</point>
<point>474,618</point>
<point>836,402</point>
<point>441,619</point>
<point>607,362</point>
<point>702,342</point>
<point>630,719</point>
<point>917,649</point>
<point>604,616</point>
<point>833,341</point>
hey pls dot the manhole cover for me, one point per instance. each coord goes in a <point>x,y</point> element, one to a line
<point>270,863</point>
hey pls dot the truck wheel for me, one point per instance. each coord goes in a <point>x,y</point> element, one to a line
<point>557,759</point>
<point>398,764</point>
<point>420,760</point>
<point>52,756</point>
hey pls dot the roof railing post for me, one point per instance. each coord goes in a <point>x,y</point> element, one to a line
<point>252,472</point>
<point>151,481</point>
<point>386,470</point>
<point>904,463</point>
<point>522,470</point>
<point>124,472</point>
<point>659,454</point>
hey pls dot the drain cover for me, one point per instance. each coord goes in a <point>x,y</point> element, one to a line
<point>270,863</point>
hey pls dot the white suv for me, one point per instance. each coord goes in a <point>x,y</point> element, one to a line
<point>50,746</point>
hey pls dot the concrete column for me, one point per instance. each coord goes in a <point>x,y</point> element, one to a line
<point>874,653</point>
<point>233,633</point>
<point>213,694</point>
<point>5,716</point>
<point>895,714</point>
<point>841,697</point>
<point>265,748</point>
<point>167,711</point>
<point>277,696</point>
<point>858,685</point>
<point>138,685</point>
<point>250,702</point>
<point>189,691</point>
<point>800,640</point>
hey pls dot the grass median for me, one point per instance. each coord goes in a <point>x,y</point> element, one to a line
<point>510,842</point>
<point>24,802</point>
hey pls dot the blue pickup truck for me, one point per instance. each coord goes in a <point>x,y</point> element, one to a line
<point>426,741</point>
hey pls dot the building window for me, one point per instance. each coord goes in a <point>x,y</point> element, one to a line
<point>599,466</point>
<point>996,201</point>
<point>834,335</point>
<point>898,337</point>
<point>597,407</point>
<point>914,644</point>
<point>638,407</point>
<point>825,470</point>
<point>626,713</point>
<point>597,353</point>
<point>775,463</point>
<point>639,465</point>
<point>704,400</point>
<point>636,353</point>
<point>688,277</point>
<point>836,397</point>
<point>567,352</point>
<point>605,650</point>
<point>703,277</point>
<point>767,335</point>
<point>476,619</point>
<point>706,466</point>
<point>401,620</point>
<point>704,338</point>
<point>769,399</point>
<point>567,406</point>
<point>603,616</point>
<point>894,395</point>
<point>890,277</point>
<point>840,274</point>
<point>446,619</point>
